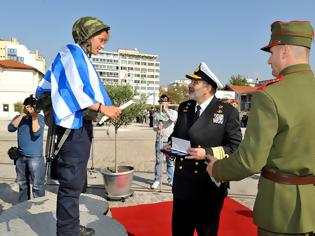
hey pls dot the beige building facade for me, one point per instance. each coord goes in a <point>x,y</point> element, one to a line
<point>130,66</point>
<point>13,50</point>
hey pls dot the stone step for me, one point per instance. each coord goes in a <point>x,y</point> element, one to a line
<point>38,217</point>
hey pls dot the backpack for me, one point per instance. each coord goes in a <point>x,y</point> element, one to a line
<point>52,145</point>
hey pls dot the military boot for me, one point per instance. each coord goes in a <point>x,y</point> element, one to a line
<point>84,231</point>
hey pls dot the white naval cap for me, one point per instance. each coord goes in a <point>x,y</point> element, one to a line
<point>203,72</point>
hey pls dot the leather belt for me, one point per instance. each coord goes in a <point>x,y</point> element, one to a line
<point>287,179</point>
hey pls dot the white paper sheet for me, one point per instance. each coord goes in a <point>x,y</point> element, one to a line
<point>122,107</point>
<point>180,145</point>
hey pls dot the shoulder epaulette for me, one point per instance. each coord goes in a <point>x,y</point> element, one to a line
<point>186,105</point>
<point>262,87</point>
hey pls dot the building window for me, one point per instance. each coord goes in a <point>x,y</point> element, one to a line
<point>20,59</point>
<point>11,57</point>
<point>11,51</point>
<point>5,107</point>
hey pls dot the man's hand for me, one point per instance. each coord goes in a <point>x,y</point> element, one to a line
<point>196,154</point>
<point>111,111</point>
<point>167,147</point>
<point>210,166</point>
<point>32,112</point>
<point>165,106</point>
<point>160,125</point>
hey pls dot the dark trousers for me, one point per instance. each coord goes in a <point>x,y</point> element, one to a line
<point>71,168</point>
<point>204,216</point>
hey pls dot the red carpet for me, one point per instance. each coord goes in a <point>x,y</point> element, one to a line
<point>155,219</point>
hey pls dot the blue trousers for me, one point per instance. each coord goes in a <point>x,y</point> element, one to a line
<point>30,169</point>
<point>71,169</point>
<point>158,163</point>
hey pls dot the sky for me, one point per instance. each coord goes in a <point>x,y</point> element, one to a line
<point>225,34</point>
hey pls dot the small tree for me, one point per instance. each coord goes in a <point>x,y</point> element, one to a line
<point>238,80</point>
<point>119,95</point>
<point>18,107</point>
<point>177,93</point>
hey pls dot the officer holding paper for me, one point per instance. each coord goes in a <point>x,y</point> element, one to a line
<point>212,127</point>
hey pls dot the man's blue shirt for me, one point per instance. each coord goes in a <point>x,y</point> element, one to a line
<point>30,143</point>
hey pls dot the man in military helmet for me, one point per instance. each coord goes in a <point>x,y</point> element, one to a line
<point>75,87</point>
<point>279,140</point>
<point>212,127</point>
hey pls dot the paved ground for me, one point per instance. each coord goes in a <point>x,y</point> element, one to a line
<point>28,218</point>
<point>243,191</point>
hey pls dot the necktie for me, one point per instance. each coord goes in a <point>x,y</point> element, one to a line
<point>197,113</point>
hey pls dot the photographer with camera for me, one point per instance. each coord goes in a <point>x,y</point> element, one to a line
<point>163,123</point>
<point>30,165</point>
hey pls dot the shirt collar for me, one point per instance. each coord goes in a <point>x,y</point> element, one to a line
<point>204,104</point>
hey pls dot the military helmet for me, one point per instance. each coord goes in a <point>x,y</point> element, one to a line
<point>85,27</point>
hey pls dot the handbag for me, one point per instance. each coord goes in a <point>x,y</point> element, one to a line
<point>13,153</point>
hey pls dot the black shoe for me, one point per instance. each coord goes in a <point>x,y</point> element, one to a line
<point>84,231</point>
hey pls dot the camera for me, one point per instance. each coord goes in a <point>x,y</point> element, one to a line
<point>30,101</point>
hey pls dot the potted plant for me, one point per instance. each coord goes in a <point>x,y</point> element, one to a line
<point>118,179</point>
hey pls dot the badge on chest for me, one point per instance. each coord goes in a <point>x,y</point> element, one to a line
<point>218,117</point>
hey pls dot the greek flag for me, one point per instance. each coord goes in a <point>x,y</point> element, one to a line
<point>74,85</point>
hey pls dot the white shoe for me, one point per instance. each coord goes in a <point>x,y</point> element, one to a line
<point>155,185</point>
<point>170,183</point>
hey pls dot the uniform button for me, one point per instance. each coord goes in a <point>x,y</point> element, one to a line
<point>196,163</point>
<point>180,167</point>
<point>196,171</point>
<point>182,159</point>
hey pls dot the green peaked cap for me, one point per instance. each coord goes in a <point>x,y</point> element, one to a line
<point>299,33</point>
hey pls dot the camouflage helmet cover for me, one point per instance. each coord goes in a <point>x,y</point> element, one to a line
<point>87,26</point>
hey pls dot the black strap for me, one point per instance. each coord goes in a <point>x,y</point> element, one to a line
<point>62,141</point>
<point>52,149</point>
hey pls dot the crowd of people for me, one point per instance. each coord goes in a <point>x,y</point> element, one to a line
<point>278,141</point>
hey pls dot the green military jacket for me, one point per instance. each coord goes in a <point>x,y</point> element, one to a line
<point>280,137</point>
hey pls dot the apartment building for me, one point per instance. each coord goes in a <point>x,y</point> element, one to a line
<point>129,66</point>
<point>13,50</point>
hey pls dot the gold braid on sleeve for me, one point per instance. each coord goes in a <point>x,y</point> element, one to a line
<point>219,153</point>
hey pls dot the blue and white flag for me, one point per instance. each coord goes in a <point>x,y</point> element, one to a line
<point>74,85</point>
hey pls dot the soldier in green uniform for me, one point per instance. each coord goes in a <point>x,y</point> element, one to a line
<point>279,140</point>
